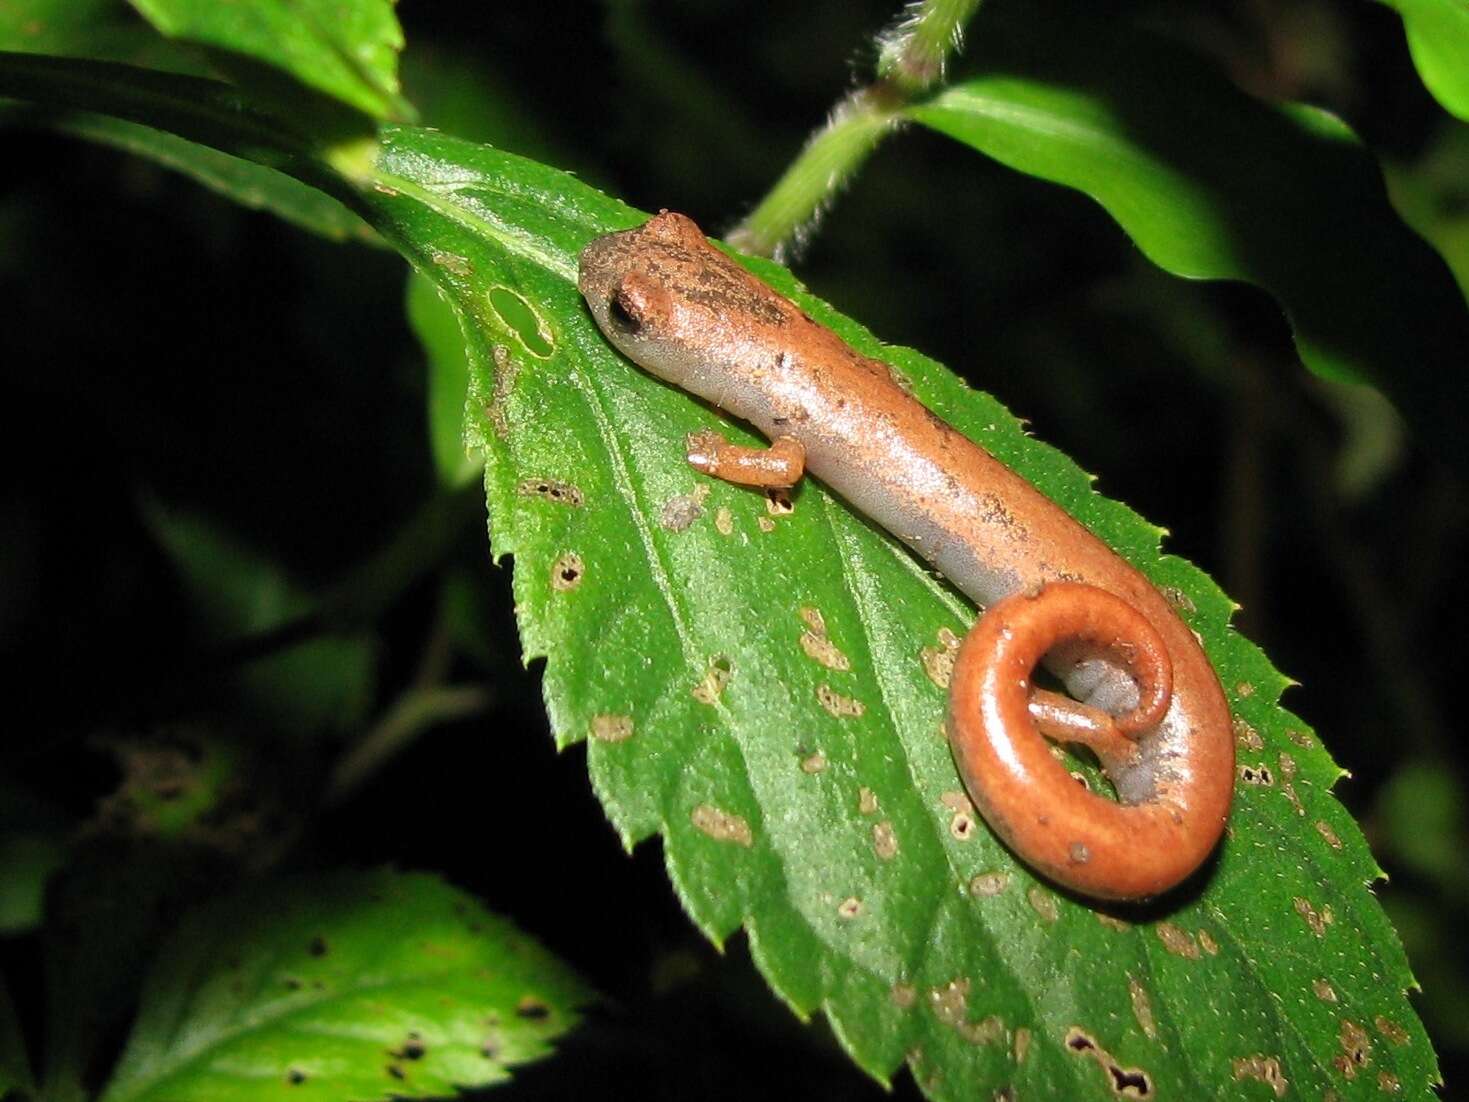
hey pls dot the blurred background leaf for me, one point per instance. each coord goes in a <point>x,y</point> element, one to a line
<point>1438,35</point>
<point>354,985</point>
<point>345,49</point>
<point>1211,183</point>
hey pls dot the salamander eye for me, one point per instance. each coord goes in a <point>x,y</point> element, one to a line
<point>623,311</point>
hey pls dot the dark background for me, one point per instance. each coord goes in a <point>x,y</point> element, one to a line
<point>162,345</point>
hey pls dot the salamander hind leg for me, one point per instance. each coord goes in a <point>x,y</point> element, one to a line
<point>776,467</point>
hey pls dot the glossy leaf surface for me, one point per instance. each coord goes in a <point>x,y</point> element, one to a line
<point>757,682</point>
<point>1213,184</point>
<point>363,986</point>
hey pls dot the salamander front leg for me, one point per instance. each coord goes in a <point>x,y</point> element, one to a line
<point>776,467</point>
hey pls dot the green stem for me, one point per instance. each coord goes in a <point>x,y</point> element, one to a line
<point>912,53</point>
<point>370,587</point>
<point>831,155</point>
<point>911,59</point>
<point>411,714</point>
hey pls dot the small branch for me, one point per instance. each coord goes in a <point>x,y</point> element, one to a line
<point>912,53</point>
<point>911,58</point>
<point>411,714</point>
<point>831,155</point>
<point>371,586</point>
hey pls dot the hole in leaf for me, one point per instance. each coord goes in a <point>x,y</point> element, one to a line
<point>515,312</point>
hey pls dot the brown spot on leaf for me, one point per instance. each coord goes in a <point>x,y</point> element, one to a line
<point>843,707</point>
<point>1142,1007</point>
<point>1256,774</point>
<point>724,521</point>
<point>506,369</point>
<point>904,995</point>
<point>679,512</point>
<point>532,1009</point>
<point>1125,1082</point>
<point>452,263</point>
<point>567,572</point>
<point>866,801</point>
<point>550,489</point>
<point>989,884</point>
<point>412,1048</point>
<point>722,826</point>
<point>1316,920</point>
<point>1264,1068</point>
<point>610,728</point>
<point>1178,941</point>
<point>1182,603</point>
<point>1356,1048</point>
<point>1246,737</point>
<point>716,677</point>
<point>938,661</point>
<point>1324,991</point>
<point>884,840</point>
<point>815,643</point>
<point>1043,903</point>
<point>1323,828</point>
<point>950,1003</point>
<point>1390,1029</point>
<point>814,762</point>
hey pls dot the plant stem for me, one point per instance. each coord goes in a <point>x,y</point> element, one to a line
<point>912,53</point>
<point>831,155</point>
<point>911,59</point>
<point>367,589</point>
<point>411,714</point>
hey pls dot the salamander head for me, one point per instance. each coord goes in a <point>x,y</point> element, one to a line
<point>670,301</point>
<point>630,282</point>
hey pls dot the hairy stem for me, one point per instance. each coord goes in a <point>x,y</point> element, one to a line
<point>911,57</point>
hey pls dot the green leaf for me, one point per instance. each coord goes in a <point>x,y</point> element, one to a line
<point>1213,184</point>
<point>683,622</point>
<point>1438,36</point>
<point>247,183</point>
<point>1430,194</point>
<point>1420,813</point>
<point>110,30</point>
<point>437,328</point>
<point>15,1068</point>
<point>26,863</point>
<point>323,683</point>
<point>101,29</point>
<point>344,49</point>
<point>33,835</point>
<point>355,985</point>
